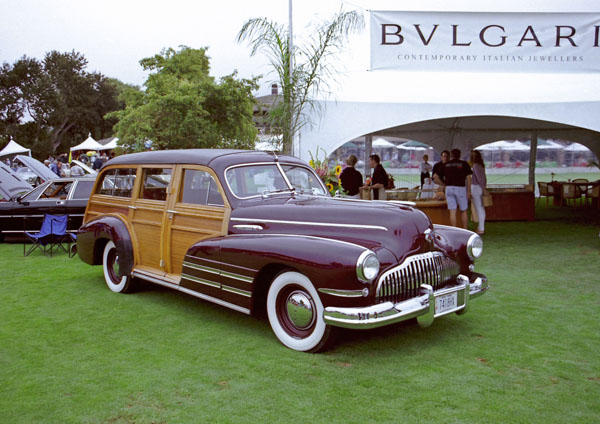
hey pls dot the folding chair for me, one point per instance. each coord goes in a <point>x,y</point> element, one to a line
<point>52,235</point>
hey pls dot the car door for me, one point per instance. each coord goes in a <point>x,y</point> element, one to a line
<point>51,200</point>
<point>197,210</point>
<point>147,217</point>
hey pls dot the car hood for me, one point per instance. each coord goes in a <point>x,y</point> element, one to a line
<point>372,224</point>
<point>37,167</point>
<point>10,183</point>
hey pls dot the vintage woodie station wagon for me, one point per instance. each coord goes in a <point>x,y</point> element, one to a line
<point>253,231</point>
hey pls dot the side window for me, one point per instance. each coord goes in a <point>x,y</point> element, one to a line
<point>200,188</point>
<point>83,189</point>
<point>155,183</point>
<point>58,190</point>
<point>117,182</point>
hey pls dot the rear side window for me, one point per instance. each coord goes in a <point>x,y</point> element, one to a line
<point>117,182</point>
<point>83,190</point>
<point>155,183</point>
<point>200,188</point>
<point>57,190</point>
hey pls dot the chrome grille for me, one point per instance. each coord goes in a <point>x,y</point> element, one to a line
<point>403,282</point>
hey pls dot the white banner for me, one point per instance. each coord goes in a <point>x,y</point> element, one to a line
<point>492,42</point>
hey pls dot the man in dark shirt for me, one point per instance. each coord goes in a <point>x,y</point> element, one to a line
<point>351,179</point>
<point>456,174</point>
<point>380,177</point>
<point>436,168</point>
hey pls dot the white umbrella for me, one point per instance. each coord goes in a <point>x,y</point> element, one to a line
<point>576,147</point>
<point>382,143</point>
<point>496,145</point>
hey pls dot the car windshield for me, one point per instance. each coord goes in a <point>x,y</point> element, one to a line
<point>303,180</point>
<point>259,180</point>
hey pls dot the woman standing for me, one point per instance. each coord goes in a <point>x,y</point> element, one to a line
<point>478,188</point>
<point>351,179</point>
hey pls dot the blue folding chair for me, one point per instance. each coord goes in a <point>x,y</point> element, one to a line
<point>52,235</point>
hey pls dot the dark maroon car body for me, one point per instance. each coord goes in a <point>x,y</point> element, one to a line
<point>321,238</point>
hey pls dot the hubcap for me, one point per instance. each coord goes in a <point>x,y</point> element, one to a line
<point>300,309</point>
<point>113,265</point>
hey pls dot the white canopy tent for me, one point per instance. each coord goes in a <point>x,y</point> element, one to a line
<point>89,144</point>
<point>456,109</point>
<point>14,148</point>
<point>112,144</point>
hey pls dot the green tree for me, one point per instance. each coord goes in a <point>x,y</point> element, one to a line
<point>311,68</point>
<point>183,107</point>
<point>53,104</point>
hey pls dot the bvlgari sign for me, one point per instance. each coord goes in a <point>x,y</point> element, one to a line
<point>493,42</point>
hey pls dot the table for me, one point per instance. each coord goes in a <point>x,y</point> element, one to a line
<point>511,202</point>
<point>557,187</point>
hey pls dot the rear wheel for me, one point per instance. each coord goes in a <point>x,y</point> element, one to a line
<point>296,313</point>
<point>110,265</point>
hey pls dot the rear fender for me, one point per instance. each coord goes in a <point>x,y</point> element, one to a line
<point>93,235</point>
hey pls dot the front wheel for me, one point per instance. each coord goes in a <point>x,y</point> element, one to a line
<point>296,313</point>
<point>110,265</point>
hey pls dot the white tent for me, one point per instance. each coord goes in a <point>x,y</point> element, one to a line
<point>112,144</point>
<point>14,148</point>
<point>461,110</point>
<point>88,144</point>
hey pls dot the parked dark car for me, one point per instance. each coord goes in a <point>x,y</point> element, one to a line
<point>60,196</point>
<point>253,231</point>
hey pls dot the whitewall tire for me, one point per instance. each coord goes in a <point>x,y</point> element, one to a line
<point>296,313</point>
<point>110,265</point>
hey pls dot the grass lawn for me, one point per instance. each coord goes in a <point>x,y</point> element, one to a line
<point>71,351</point>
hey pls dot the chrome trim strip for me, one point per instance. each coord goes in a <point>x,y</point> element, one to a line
<point>302,236</point>
<point>201,267</point>
<point>342,293</point>
<point>318,224</point>
<point>190,292</point>
<point>219,272</point>
<point>201,281</point>
<point>235,290</point>
<point>237,277</point>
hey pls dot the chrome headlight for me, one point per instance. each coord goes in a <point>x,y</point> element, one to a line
<point>474,246</point>
<point>367,266</point>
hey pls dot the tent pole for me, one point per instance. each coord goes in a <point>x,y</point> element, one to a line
<point>532,157</point>
<point>368,150</point>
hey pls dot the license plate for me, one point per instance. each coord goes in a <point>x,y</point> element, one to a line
<point>445,303</point>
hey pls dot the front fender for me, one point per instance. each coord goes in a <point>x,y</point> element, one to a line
<point>453,241</point>
<point>328,263</point>
<point>93,235</point>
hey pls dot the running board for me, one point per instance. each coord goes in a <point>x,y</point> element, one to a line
<point>161,282</point>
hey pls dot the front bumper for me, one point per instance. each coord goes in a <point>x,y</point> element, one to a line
<point>422,307</point>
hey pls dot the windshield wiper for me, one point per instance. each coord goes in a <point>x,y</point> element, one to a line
<point>267,193</point>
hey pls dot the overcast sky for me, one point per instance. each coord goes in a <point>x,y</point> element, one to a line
<point>115,34</point>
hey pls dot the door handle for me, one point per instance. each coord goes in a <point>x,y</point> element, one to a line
<point>173,212</point>
<point>132,207</point>
<point>248,227</point>
<point>60,202</point>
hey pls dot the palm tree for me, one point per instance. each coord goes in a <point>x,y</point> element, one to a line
<point>311,66</point>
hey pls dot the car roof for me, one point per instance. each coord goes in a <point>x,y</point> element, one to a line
<point>224,157</point>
